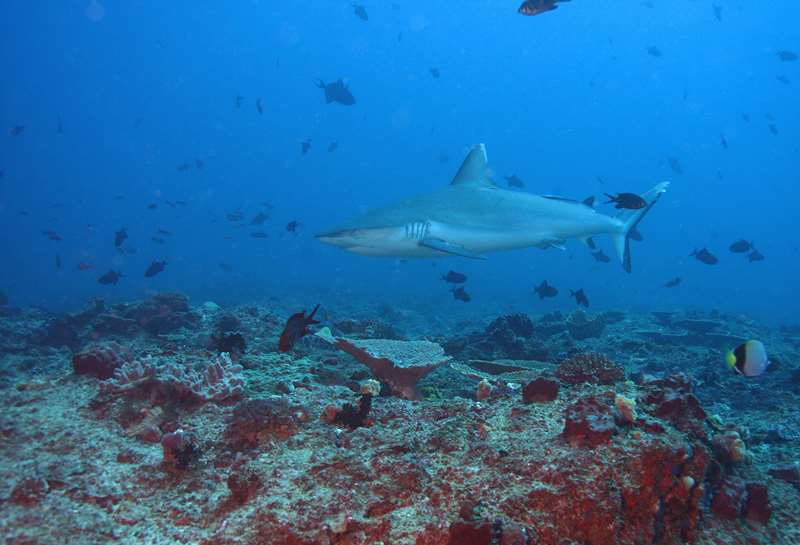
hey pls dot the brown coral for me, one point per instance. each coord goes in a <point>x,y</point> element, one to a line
<point>589,367</point>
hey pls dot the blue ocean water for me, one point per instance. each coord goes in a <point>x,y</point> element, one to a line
<point>564,100</point>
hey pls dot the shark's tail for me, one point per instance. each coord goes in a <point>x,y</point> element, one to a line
<point>630,219</point>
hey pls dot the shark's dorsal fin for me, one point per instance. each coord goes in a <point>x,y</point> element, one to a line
<point>474,170</point>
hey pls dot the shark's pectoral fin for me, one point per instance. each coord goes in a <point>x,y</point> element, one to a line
<point>448,248</point>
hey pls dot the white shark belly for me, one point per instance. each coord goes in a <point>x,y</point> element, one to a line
<point>486,239</point>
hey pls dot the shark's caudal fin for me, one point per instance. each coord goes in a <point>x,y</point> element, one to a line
<point>630,219</point>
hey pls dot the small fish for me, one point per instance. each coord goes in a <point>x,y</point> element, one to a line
<point>59,126</point>
<point>741,246</point>
<point>83,266</point>
<point>58,261</point>
<point>258,106</point>
<point>453,277</point>
<point>111,277</point>
<point>305,146</point>
<point>199,164</point>
<point>544,290</point>
<point>337,92</point>
<point>787,56</point>
<point>292,226</point>
<point>52,235</point>
<point>530,8</point>
<point>361,12</point>
<point>515,181</point>
<point>154,268</point>
<point>460,294</point>
<point>748,359</point>
<point>165,232</point>
<point>184,167</point>
<point>773,129</point>
<point>120,237</point>
<point>181,203</point>
<point>152,206</point>
<point>654,51</point>
<point>16,130</point>
<point>332,146</point>
<point>723,141</point>
<point>755,255</point>
<point>296,328</point>
<point>259,218</point>
<point>225,267</point>
<point>259,234</point>
<point>629,201</point>
<point>634,234</point>
<point>239,100</point>
<point>717,12</point>
<point>673,283</point>
<point>434,72</point>
<point>580,297</point>
<point>783,79</point>
<point>675,165</point>
<point>158,240</point>
<point>235,216</point>
<point>704,256</point>
<point>745,117</point>
<point>600,256</point>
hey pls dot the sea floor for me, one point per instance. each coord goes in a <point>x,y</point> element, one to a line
<point>168,421</point>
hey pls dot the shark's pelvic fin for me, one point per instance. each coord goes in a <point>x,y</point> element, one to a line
<point>475,168</point>
<point>448,248</point>
<point>630,219</point>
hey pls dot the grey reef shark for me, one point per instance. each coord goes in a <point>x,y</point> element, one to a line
<point>473,216</point>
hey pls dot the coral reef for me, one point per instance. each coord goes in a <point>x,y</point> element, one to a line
<point>589,367</point>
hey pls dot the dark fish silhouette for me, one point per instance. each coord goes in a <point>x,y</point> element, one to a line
<point>239,100</point>
<point>435,73</point>
<point>741,246</point>
<point>235,216</point>
<point>296,328</point>
<point>165,232</point>
<point>634,234</point>
<point>460,294</point>
<point>184,167</point>
<point>453,277</point>
<point>158,240</point>
<point>259,234</point>
<point>675,165</point>
<point>58,261</point>
<point>629,201</point>
<point>783,79</point>
<point>787,56</point>
<point>16,130</point>
<point>717,12</point>
<point>361,12</point>
<point>259,218</point>
<point>292,226</point>
<point>155,268</point>
<point>755,255</point>
<point>59,126</point>
<point>723,141</point>
<point>120,237</point>
<point>515,181</point>
<point>600,256</point>
<point>152,206</point>
<point>258,106</point>
<point>199,164</point>
<point>52,235</point>
<point>544,290</point>
<point>111,277</point>
<point>673,283</point>
<point>530,8</point>
<point>580,297</point>
<point>305,146</point>
<point>773,129</point>
<point>654,51</point>
<point>746,117</point>
<point>704,256</point>
<point>225,267</point>
<point>337,92</point>
<point>332,146</point>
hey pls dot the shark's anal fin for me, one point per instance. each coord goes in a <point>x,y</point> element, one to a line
<point>448,248</point>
